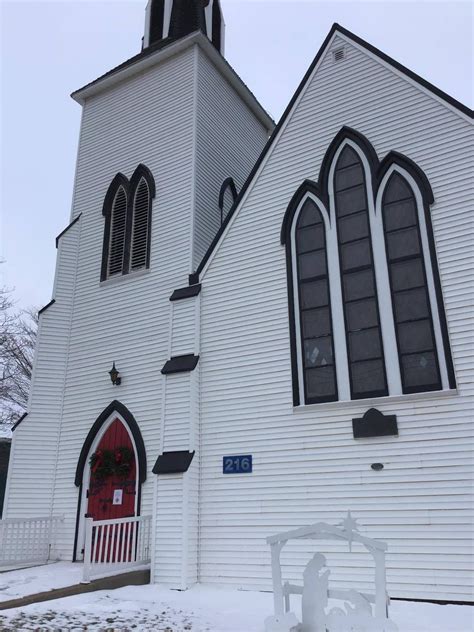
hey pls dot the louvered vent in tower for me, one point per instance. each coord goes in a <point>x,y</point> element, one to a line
<point>140,228</point>
<point>117,233</point>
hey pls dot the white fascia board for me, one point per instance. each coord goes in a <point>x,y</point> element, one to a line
<point>172,50</point>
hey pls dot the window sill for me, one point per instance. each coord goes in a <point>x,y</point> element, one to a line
<point>124,277</point>
<point>375,402</point>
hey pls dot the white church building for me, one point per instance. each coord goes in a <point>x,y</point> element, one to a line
<point>258,327</point>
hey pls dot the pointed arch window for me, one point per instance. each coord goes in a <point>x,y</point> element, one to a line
<point>419,366</point>
<point>140,227</point>
<point>127,232</point>
<point>317,347</point>
<point>363,280</point>
<point>359,291</point>
<point>117,233</point>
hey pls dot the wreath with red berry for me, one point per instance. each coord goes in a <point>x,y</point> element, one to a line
<point>117,462</point>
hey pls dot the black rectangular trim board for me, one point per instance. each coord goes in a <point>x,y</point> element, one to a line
<point>186,292</point>
<point>176,462</point>
<point>375,424</point>
<point>180,364</point>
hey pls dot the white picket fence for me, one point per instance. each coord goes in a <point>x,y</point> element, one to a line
<point>27,541</point>
<point>116,546</point>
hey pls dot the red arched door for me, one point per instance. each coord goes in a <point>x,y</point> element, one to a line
<point>113,476</point>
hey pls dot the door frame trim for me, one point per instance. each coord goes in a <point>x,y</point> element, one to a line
<point>115,410</point>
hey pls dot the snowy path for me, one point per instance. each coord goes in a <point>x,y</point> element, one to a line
<point>30,581</point>
<point>201,609</point>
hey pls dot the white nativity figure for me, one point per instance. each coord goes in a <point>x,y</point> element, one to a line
<point>357,615</point>
<point>315,595</point>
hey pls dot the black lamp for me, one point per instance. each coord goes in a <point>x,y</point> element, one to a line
<point>115,376</point>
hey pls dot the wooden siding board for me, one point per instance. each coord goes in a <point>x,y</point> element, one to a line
<point>146,119</point>
<point>229,141</point>
<point>27,497</point>
<point>307,466</point>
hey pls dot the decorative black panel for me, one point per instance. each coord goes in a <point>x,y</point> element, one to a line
<point>186,292</point>
<point>173,462</point>
<point>180,364</point>
<point>374,424</point>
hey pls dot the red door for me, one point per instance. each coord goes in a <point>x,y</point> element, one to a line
<point>113,483</point>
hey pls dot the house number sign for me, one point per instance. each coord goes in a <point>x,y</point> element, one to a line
<point>237,464</point>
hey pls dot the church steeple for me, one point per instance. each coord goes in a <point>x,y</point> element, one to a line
<point>174,19</point>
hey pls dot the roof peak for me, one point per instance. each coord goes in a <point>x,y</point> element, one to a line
<point>338,28</point>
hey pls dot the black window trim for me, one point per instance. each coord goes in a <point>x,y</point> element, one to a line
<point>130,187</point>
<point>319,190</point>
<point>332,160</point>
<point>435,386</point>
<point>301,282</point>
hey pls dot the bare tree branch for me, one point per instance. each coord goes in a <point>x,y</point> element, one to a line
<point>18,331</point>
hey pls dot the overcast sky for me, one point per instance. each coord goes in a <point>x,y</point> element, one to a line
<point>50,49</point>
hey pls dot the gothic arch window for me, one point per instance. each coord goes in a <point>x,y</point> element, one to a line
<point>374,279</point>
<point>359,292</point>
<point>140,227</point>
<point>227,196</point>
<point>314,304</point>
<point>127,210</point>
<point>419,365</point>
<point>118,219</point>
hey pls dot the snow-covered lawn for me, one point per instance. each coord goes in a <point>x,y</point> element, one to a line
<point>201,609</point>
<point>154,608</point>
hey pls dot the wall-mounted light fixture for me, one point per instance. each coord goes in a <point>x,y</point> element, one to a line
<point>115,376</point>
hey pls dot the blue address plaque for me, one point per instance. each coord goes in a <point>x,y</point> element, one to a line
<point>241,464</point>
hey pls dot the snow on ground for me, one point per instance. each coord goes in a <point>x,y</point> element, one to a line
<point>29,581</point>
<point>201,609</point>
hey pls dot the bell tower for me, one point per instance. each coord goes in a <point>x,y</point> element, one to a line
<point>173,19</point>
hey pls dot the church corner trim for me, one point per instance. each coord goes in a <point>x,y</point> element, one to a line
<point>43,309</point>
<point>19,421</point>
<point>70,225</point>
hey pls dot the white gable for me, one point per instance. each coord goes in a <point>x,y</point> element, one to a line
<point>362,91</point>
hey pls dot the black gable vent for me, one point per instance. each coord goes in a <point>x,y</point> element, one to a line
<point>339,54</point>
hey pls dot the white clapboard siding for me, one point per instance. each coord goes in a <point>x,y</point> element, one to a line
<point>177,495</point>
<point>182,323</point>
<point>168,552</point>
<point>177,412</point>
<point>146,119</point>
<point>229,141</point>
<point>35,442</point>
<point>307,466</point>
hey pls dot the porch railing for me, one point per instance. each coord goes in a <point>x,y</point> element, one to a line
<point>27,541</point>
<point>116,546</point>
